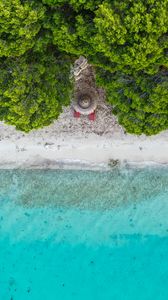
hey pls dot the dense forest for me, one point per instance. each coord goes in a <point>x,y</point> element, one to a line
<point>126,42</point>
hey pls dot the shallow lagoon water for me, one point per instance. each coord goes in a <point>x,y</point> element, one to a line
<point>84,234</point>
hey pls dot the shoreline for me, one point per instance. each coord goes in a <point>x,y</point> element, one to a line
<point>80,166</point>
<point>91,152</point>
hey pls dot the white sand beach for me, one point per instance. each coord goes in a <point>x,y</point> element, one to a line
<point>79,142</point>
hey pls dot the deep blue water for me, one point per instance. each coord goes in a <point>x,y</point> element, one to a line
<point>84,235</point>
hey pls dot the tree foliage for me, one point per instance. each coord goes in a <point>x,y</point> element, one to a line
<point>78,6</point>
<point>34,77</point>
<point>126,41</point>
<point>118,35</point>
<point>132,35</point>
<point>33,89</point>
<point>140,101</point>
<point>20,22</point>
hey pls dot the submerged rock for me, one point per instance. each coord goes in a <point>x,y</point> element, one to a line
<point>113,162</point>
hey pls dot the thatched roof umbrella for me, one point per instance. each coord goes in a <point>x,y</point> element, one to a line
<point>85,103</point>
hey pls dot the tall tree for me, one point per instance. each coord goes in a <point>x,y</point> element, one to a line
<point>140,101</point>
<point>117,35</point>
<point>33,89</point>
<point>20,22</point>
<point>132,35</point>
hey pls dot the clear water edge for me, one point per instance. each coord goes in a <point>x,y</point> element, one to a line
<point>84,235</point>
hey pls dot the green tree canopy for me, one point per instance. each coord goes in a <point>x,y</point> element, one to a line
<point>20,22</point>
<point>126,41</point>
<point>140,101</point>
<point>77,6</point>
<point>33,89</point>
<point>132,35</point>
<point>117,35</point>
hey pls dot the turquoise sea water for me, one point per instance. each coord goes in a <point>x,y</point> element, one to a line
<point>84,235</point>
